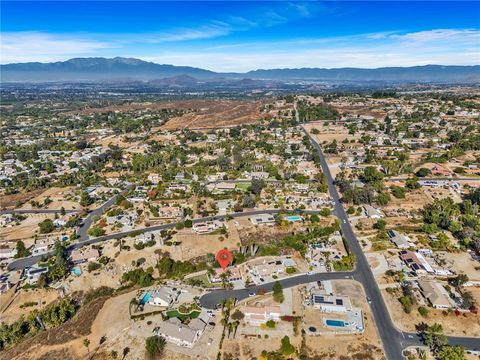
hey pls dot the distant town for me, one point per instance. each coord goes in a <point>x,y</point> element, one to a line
<point>352,220</point>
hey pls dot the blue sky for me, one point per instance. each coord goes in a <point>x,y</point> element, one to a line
<point>241,36</point>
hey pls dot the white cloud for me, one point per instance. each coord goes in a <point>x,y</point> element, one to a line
<point>436,46</point>
<point>37,46</point>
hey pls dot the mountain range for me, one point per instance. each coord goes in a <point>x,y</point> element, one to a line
<point>119,68</point>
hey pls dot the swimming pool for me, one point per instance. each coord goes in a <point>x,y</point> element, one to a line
<point>293,218</point>
<point>77,271</point>
<point>335,323</point>
<point>145,298</point>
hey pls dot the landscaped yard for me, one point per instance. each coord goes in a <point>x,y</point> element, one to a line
<point>175,314</point>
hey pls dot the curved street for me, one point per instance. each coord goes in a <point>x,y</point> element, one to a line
<point>394,340</point>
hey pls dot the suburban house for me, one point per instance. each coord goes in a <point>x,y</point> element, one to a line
<point>416,262</point>
<point>174,331</point>
<point>330,303</point>
<point>32,274</point>
<point>170,212</point>
<point>400,240</point>
<point>372,212</point>
<point>81,256</point>
<point>7,253</point>
<point>256,315</point>
<point>262,219</point>
<point>206,227</point>
<point>265,268</point>
<point>221,187</point>
<point>164,296</point>
<point>435,293</point>
<point>233,275</point>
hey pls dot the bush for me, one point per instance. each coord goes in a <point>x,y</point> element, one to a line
<point>423,311</point>
<point>154,345</point>
<point>291,270</point>
<point>46,226</point>
<point>96,231</point>
<point>270,324</point>
<point>92,266</point>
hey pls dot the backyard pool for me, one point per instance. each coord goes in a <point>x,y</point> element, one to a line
<point>335,323</point>
<point>76,271</point>
<point>145,298</point>
<point>293,218</point>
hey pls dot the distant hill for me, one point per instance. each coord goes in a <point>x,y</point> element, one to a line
<point>102,69</point>
<point>427,73</point>
<point>96,69</point>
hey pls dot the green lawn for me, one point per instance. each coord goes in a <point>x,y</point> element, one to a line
<point>175,314</point>
<point>242,186</point>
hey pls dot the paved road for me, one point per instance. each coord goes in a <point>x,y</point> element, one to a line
<point>437,178</point>
<point>38,211</point>
<point>394,340</point>
<point>84,240</point>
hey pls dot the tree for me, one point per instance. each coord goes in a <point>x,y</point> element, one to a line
<point>448,352</point>
<point>423,311</point>
<point>270,324</point>
<point>46,226</point>
<point>380,224</point>
<point>422,172</point>
<point>383,198</point>
<point>325,212</point>
<point>371,174</point>
<point>286,348</point>
<point>256,186</point>
<point>155,346</point>
<point>113,354</point>
<point>86,199</point>
<point>125,352</point>
<point>21,250</point>
<point>238,315</point>
<point>459,280</point>
<point>278,292</point>
<point>86,343</point>
<point>96,231</point>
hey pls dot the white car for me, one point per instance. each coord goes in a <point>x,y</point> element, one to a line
<point>309,272</point>
<point>252,294</point>
<point>344,221</point>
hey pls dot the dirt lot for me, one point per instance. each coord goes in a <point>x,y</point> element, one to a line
<point>462,263</point>
<point>38,346</point>
<point>58,197</point>
<point>26,229</point>
<point>10,201</point>
<point>467,324</point>
<point>214,114</point>
<point>41,296</point>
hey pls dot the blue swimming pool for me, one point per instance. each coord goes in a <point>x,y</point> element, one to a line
<point>293,218</point>
<point>77,271</point>
<point>145,298</point>
<point>336,323</point>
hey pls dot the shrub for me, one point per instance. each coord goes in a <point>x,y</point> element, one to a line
<point>270,324</point>
<point>92,266</point>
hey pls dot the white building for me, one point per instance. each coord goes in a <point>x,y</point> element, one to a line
<point>164,296</point>
<point>262,219</point>
<point>180,334</point>
<point>256,315</point>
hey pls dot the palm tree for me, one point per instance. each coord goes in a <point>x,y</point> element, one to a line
<point>236,323</point>
<point>133,302</point>
<point>86,343</point>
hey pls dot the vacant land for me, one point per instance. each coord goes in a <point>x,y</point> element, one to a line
<point>224,113</point>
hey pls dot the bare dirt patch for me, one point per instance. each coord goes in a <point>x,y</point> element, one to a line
<point>77,327</point>
<point>217,114</point>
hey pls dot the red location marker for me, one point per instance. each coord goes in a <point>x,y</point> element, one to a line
<point>223,258</point>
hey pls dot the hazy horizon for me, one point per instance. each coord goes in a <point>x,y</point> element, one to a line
<point>239,37</point>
